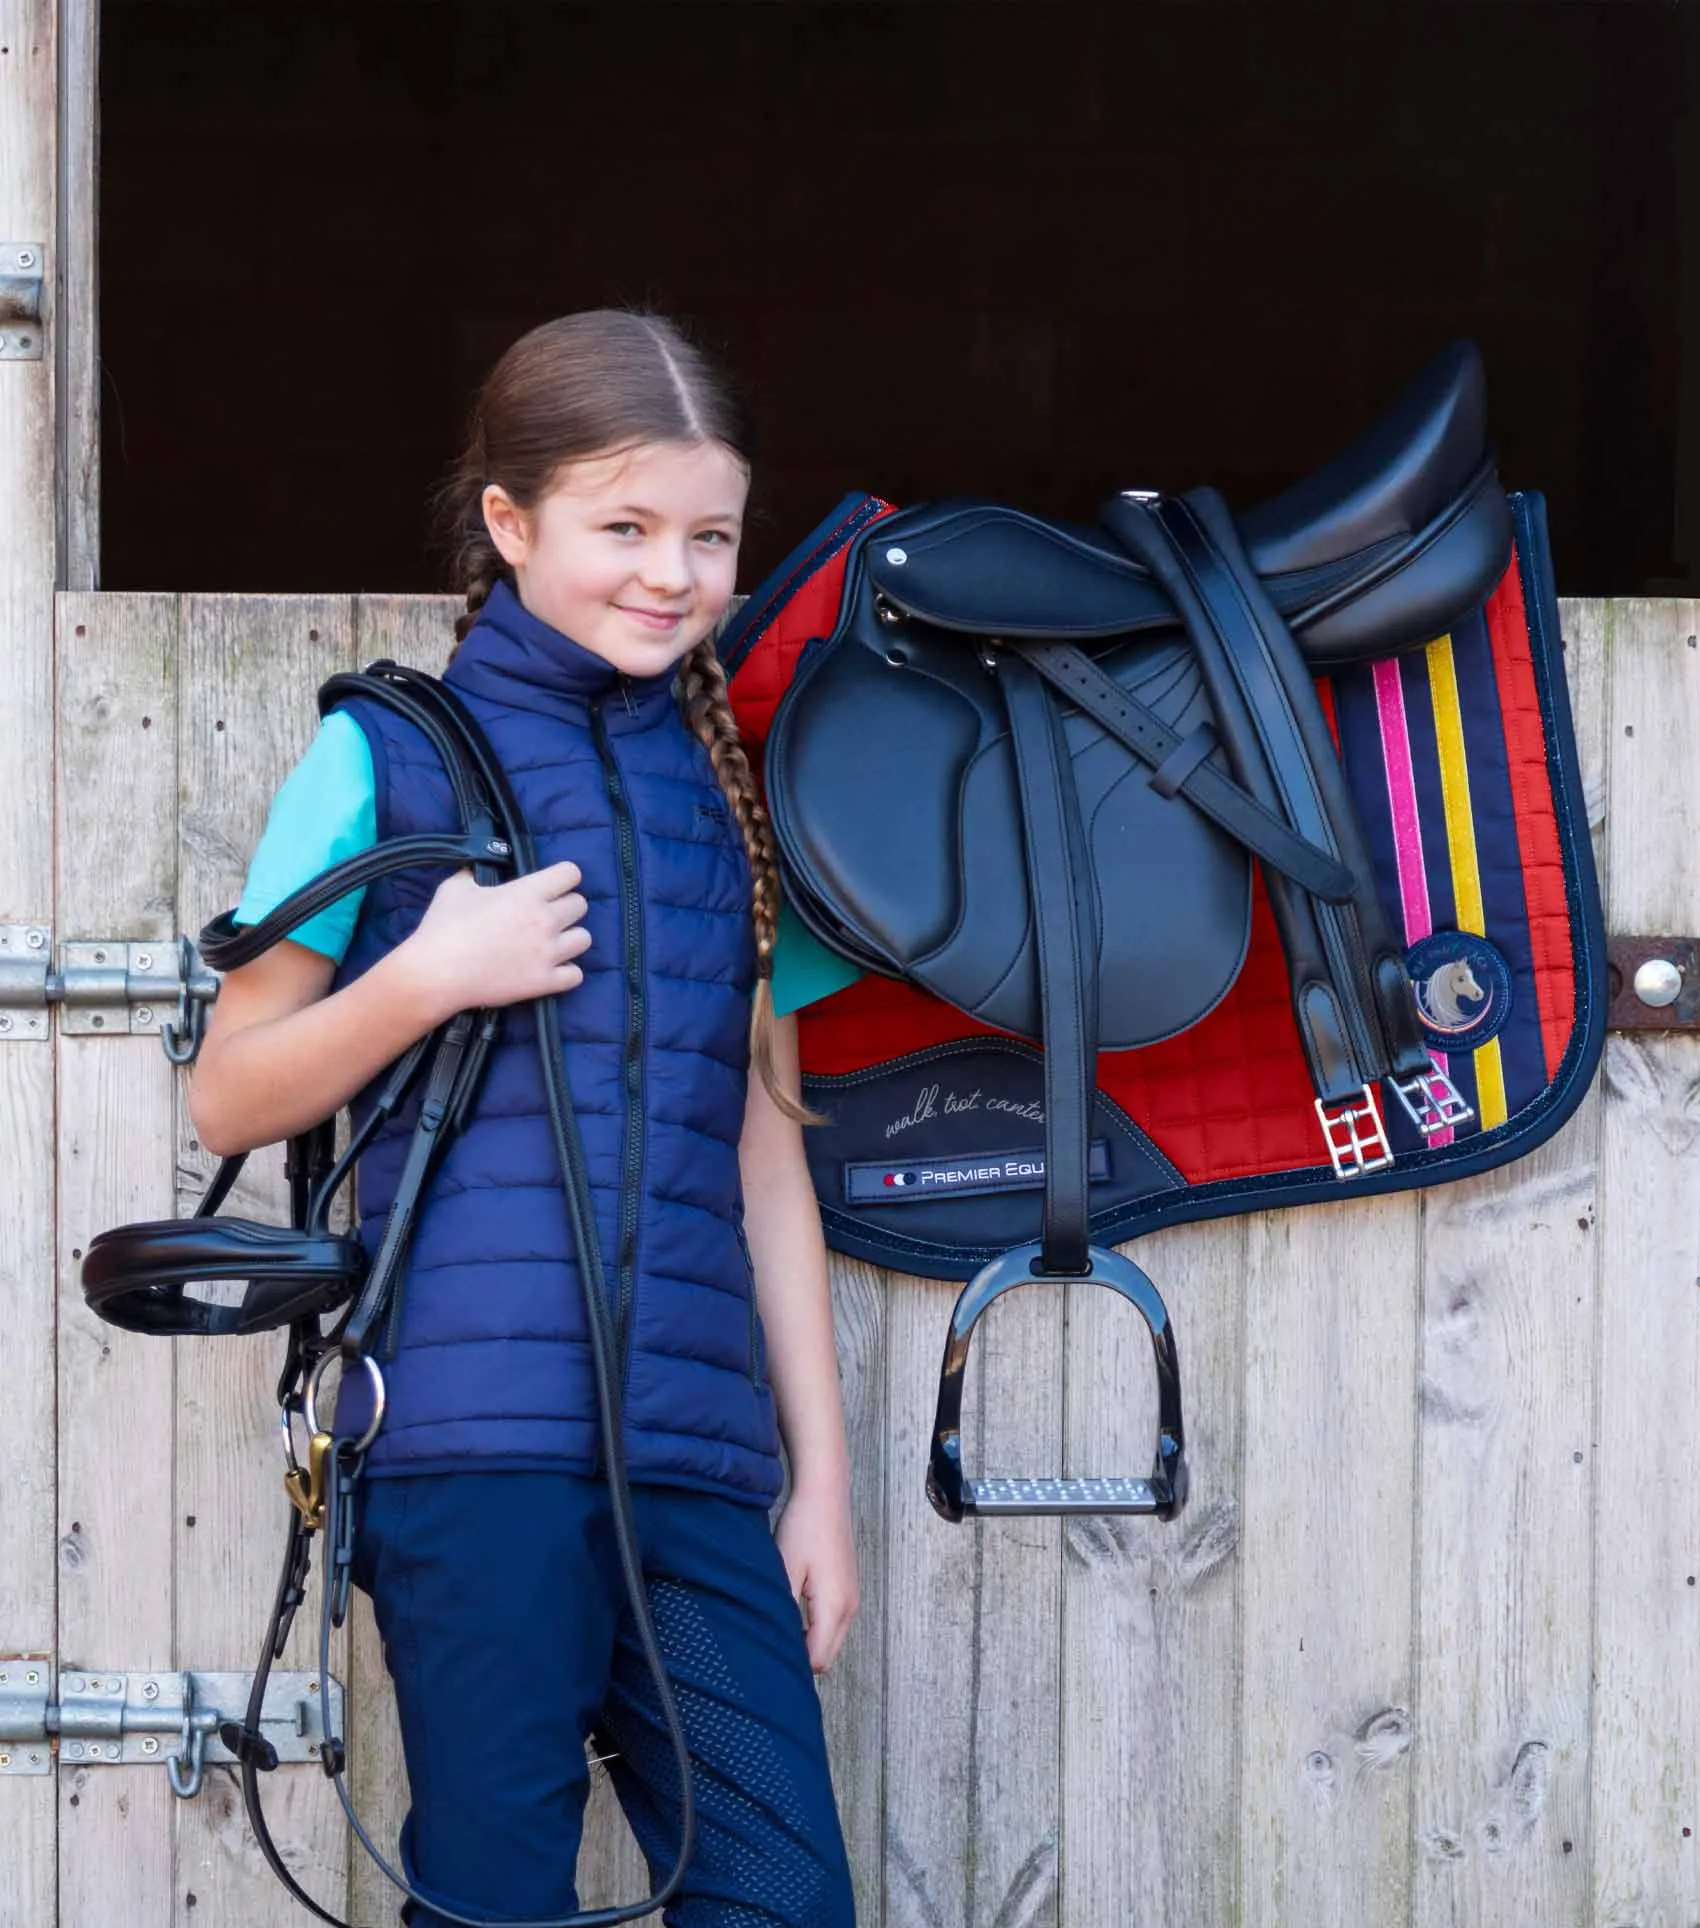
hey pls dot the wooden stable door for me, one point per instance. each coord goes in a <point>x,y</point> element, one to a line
<point>177,719</point>
<point>1422,1652</point>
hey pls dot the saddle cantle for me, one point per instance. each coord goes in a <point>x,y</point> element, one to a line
<point>1375,553</point>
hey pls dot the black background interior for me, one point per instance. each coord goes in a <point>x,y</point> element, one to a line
<point>1037,251</point>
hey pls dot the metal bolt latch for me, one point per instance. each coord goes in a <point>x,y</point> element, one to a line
<point>151,987</point>
<point>21,278</point>
<point>109,1720</point>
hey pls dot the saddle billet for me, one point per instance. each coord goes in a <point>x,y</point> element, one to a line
<point>1452,727</point>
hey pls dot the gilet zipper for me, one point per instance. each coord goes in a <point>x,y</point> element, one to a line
<point>750,1269</point>
<point>631,926</point>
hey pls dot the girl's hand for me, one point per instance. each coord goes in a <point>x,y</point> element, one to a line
<point>819,1552</point>
<point>481,944</point>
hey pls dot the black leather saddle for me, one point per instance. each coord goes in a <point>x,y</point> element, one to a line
<point>1033,765</point>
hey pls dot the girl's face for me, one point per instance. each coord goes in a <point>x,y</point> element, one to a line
<point>632,555</point>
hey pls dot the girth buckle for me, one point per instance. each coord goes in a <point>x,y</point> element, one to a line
<point>1432,1101</point>
<point>1355,1135</point>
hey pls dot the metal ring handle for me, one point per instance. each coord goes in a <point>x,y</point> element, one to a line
<point>310,1403</point>
<point>291,1464</point>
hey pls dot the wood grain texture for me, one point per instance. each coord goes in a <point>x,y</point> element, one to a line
<point>1014,1815</point>
<point>1646,1766</point>
<point>1150,1689</point>
<point>76,332</point>
<point>248,668</point>
<point>972,1625</point>
<point>28,211</point>
<point>117,843</point>
<point>853,1691</point>
<point>1328,1503</point>
<point>931,1654</point>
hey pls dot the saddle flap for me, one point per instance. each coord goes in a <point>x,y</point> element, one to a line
<point>896,802</point>
<point>981,569</point>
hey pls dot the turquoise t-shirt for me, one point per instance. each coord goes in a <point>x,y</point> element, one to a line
<point>327,811</point>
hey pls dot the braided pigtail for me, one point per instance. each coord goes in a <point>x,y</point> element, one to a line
<point>708,711</point>
<point>481,568</point>
<point>475,560</point>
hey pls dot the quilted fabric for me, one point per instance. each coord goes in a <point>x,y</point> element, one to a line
<point>494,1359</point>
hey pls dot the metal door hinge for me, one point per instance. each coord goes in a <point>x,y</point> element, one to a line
<point>133,988</point>
<point>115,1720</point>
<point>1654,984</point>
<point>21,281</point>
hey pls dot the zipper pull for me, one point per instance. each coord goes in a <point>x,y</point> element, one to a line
<point>626,692</point>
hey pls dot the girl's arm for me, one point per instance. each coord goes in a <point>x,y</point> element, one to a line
<point>782,1221</point>
<point>283,1051</point>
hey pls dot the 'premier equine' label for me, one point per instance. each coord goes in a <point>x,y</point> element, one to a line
<point>883,1183</point>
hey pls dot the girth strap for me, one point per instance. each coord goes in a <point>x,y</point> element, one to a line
<point>1054,846</point>
<point>1351,999</point>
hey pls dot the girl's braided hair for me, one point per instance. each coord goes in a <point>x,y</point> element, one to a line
<point>594,384</point>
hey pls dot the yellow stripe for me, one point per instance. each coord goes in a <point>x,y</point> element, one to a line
<point>1455,787</point>
<point>1461,850</point>
<point>1490,1085</point>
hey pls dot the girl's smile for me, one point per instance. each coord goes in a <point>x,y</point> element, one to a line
<point>634,555</point>
<point>656,619</point>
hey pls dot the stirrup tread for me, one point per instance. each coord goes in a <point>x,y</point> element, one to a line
<point>1109,1493</point>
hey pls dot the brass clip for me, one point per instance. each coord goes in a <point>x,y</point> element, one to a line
<point>305,1485</point>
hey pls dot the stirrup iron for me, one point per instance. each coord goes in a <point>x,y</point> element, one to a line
<point>1161,1493</point>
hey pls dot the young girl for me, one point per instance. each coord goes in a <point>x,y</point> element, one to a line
<point>598,510</point>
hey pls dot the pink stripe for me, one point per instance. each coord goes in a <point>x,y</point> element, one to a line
<point>1402,800</point>
<point>1407,830</point>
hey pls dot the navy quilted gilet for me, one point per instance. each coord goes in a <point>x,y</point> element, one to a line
<point>493,1364</point>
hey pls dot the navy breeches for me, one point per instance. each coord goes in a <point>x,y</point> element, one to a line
<point>510,1640</point>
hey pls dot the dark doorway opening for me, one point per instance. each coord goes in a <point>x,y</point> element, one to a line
<point>1035,251</point>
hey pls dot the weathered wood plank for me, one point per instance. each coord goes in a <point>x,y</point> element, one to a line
<point>972,1626</point>
<point>1014,1816</point>
<point>853,1691</point>
<point>76,331</point>
<point>1646,1765</point>
<point>1505,1601</point>
<point>932,1574</point>
<point>248,670</point>
<point>117,844</point>
<point>28,212</point>
<point>1328,1498</point>
<point>1150,1692</point>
